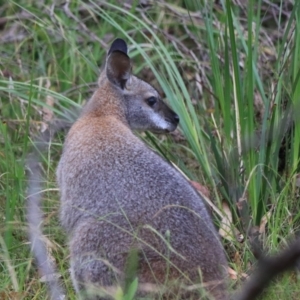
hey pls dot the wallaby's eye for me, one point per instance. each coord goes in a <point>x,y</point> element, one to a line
<point>151,101</point>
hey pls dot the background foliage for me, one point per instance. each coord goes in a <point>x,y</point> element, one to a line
<point>230,69</point>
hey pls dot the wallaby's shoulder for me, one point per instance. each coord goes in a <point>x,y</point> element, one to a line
<point>90,129</point>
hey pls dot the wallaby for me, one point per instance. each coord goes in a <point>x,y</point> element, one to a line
<point>118,196</point>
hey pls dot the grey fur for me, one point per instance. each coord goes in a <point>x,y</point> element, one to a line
<point>118,195</point>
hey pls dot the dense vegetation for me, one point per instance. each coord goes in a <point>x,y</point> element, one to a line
<point>229,68</point>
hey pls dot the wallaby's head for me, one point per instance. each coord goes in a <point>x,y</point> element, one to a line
<point>143,107</point>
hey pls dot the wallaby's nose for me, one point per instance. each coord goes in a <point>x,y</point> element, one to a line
<point>176,118</point>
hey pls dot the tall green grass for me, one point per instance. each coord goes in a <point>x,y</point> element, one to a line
<point>212,63</point>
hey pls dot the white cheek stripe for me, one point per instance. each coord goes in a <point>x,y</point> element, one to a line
<point>159,121</point>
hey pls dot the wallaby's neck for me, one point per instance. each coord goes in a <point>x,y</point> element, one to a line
<point>106,101</point>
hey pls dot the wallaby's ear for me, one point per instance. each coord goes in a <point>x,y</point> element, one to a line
<point>118,44</point>
<point>118,66</point>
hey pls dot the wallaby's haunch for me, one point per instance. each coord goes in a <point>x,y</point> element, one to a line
<point>118,196</point>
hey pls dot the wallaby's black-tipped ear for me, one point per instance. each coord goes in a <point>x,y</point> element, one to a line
<point>118,68</point>
<point>118,45</point>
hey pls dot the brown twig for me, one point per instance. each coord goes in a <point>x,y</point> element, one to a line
<point>82,25</point>
<point>268,268</point>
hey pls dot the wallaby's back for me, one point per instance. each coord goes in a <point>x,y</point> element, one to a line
<point>118,195</point>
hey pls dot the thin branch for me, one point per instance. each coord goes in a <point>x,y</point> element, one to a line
<point>268,268</point>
